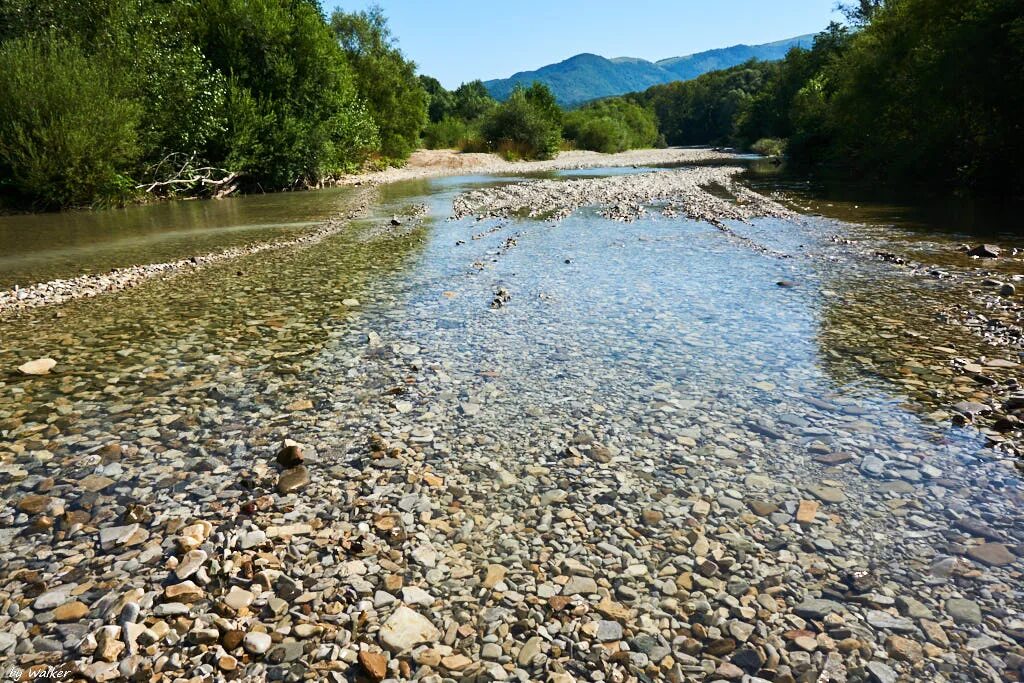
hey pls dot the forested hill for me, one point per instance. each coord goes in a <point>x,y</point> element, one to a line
<point>588,76</point>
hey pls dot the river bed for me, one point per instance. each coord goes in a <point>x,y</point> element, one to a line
<point>534,449</point>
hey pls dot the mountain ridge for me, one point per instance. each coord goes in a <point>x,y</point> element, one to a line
<point>588,76</point>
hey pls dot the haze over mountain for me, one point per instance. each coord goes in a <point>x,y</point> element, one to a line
<point>588,76</point>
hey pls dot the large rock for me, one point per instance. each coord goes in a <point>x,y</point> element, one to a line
<point>405,629</point>
<point>814,608</point>
<point>39,366</point>
<point>985,251</point>
<point>993,554</point>
<point>963,611</point>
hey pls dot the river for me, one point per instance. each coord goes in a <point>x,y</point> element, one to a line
<point>568,446</point>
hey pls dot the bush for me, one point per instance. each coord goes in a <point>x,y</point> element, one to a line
<point>769,147</point>
<point>448,133</point>
<point>294,113</point>
<point>612,126</point>
<point>67,136</point>
<point>522,128</point>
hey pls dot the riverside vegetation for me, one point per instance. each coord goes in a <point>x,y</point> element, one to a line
<point>103,101</point>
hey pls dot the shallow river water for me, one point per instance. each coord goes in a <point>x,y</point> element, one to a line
<point>721,475</point>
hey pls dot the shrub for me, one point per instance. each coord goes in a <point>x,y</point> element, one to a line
<point>769,147</point>
<point>67,137</point>
<point>612,126</point>
<point>522,128</point>
<point>448,133</point>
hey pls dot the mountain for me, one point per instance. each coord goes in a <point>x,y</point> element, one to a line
<point>588,76</point>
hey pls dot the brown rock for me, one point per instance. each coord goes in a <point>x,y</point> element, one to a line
<point>722,646</point>
<point>70,611</point>
<point>232,639</point>
<point>292,479</point>
<point>807,510</point>
<point>652,516</point>
<point>186,591</point>
<point>495,575</point>
<point>33,504</point>
<point>934,633</point>
<point>762,508</point>
<point>904,649</point>
<point>374,663</point>
<point>993,554</point>
<point>456,662</point>
<point>290,455</point>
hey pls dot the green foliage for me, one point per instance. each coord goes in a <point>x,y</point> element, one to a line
<point>448,133</point>
<point>703,111</point>
<point>386,80</point>
<point>66,133</point>
<point>261,88</point>
<point>933,91</point>
<point>769,147</point>
<point>611,126</point>
<point>525,126</point>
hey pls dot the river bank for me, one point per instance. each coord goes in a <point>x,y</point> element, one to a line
<point>612,445</point>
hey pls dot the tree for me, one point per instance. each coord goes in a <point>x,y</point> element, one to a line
<point>294,113</point>
<point>386,79</point>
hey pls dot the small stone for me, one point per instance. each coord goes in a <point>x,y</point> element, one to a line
<point>256,643</point>
<point>806,511</point>
<point>827,494</point>
<point>985,251</point>
<point>33,504</point>
<point>374,663</point>
<point>186,591</point>
<point>652,517</point>
<point>70,611</point>
<point>238,598</point>
<point>495,575</point>
<point>190,564</point>
<point>292,479</point>
<point>813,608</point>
<point>456,662</point>
<point>580,585</point>
<point>108,644</point>
<point>529,651</point>
<point>608,631</point>
<point>881,673</point>
<point>290,454</point>
<point>963,611</point>
<point>904,649</point>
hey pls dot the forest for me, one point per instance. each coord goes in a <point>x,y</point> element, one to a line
<point>104,102</point>
<point>918,94</point>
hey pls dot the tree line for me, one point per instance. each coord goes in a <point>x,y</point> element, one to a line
<point>910,93</point>
<point>104,100</point>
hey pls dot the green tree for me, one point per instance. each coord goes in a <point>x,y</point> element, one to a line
<point>386,79</point>
<point>523,127</point>
<point>294,113</point>
<point>611,125</point>
<point>66,132</point>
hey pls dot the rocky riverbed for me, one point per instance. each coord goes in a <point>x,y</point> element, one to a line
<point>566,448</point>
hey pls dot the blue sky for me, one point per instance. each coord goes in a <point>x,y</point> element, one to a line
<point>459,40</point>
